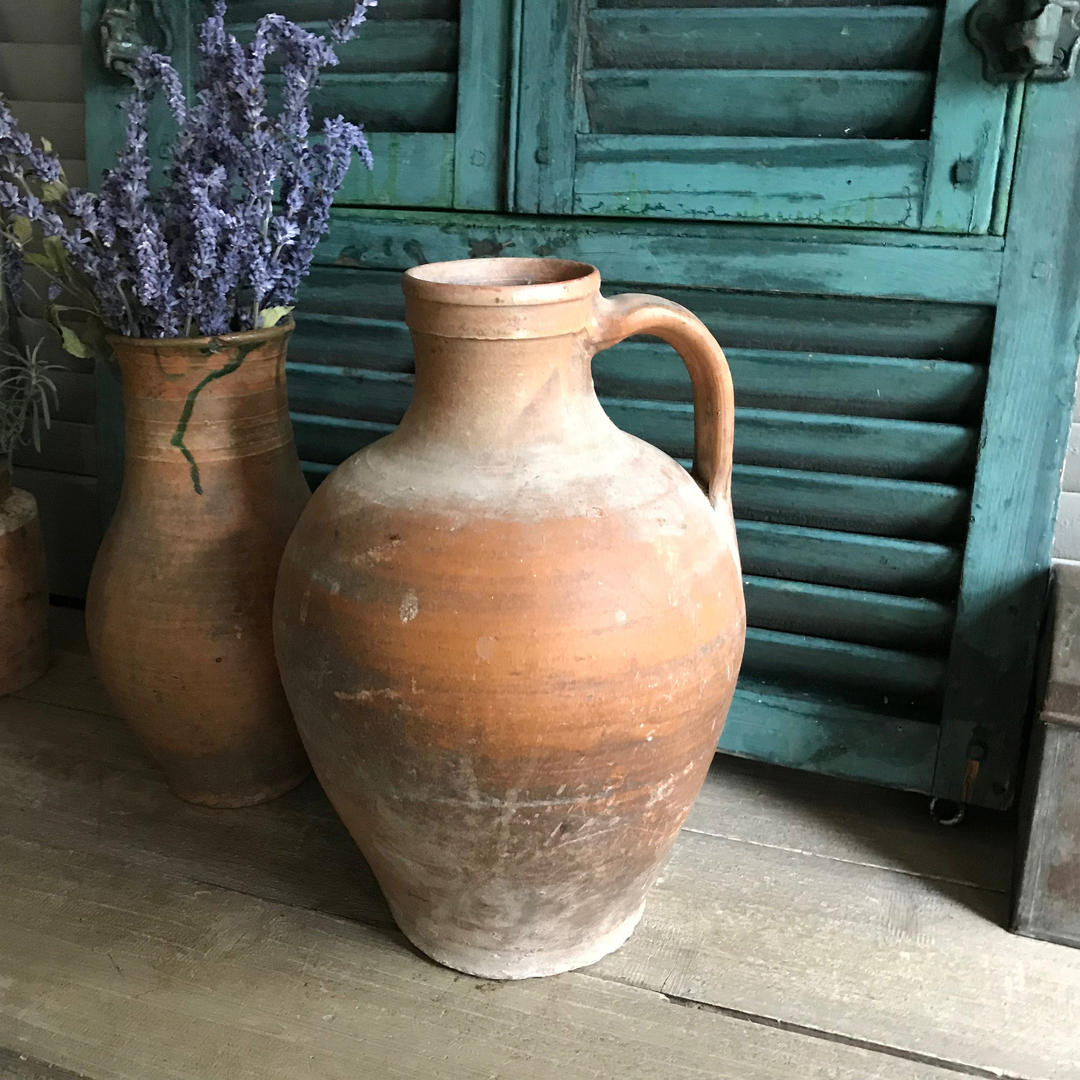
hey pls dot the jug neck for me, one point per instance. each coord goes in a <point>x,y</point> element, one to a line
<point>492,396</point>
<point>503,354</point>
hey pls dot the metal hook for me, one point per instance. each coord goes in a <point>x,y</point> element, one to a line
<point>123,36</point>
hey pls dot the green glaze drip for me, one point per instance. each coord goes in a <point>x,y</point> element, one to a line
<point>189,404</point>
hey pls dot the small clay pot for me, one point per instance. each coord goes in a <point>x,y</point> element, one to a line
<point>178,612</point>
<point>24,598</point>
<point>509,631</point>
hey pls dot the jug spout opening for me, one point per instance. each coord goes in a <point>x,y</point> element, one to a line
<point>500,299</point>
<point>502,281</point>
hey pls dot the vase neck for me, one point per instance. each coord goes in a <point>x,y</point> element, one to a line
<point>228,396</point>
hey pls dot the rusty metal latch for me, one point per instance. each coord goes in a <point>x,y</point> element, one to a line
<point>129,26</point>
<point>1022,39</point>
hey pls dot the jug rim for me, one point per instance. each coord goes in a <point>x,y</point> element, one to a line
<point>502,281</point>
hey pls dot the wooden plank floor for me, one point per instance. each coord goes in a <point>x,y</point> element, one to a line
<point>802,928</point>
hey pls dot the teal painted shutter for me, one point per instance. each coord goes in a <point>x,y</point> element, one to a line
<point>427,79</point>
<point>901,414</point>
<point>823,112</point>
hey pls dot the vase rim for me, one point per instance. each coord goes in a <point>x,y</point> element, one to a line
<point>236,337</point>
<point>501,282</point>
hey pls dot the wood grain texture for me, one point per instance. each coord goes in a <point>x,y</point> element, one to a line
<point>1047,903</point>
<point>765,36</point>
<point>658,253</point>
<point>923,966</point>
<point>219,983</point>
<point>409,169</point>
<point>838,733</point>
<point>966,136</point>
<point>830,818</point>
<point>828,557</point>
<point>16,1066</point>
<point>755,104</point>
<point>483,87</point>
<point>223,940</point>
<point>821,181</point>
<point>549,105</point>
<point>1008,553</point>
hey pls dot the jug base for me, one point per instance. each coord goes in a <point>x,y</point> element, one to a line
<point>531,964</point>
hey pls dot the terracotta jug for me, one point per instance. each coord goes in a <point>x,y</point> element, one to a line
<point>24,600</point>
<point>180,600</point>
<point>509,631</point>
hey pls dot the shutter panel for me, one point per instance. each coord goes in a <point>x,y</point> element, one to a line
<point>812,111</point>
<point>427,80</point>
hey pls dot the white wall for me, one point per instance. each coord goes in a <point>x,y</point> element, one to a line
<point>1067,534</point>
<point>41,74</point>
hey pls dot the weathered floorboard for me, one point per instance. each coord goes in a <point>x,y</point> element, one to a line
<point>140,976</point>
<point>829,818</point>
<point>924,967</point>
<point>125,910</point>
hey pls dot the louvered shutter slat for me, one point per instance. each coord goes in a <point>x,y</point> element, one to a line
<point>410,77</point>
<point>824,113</point>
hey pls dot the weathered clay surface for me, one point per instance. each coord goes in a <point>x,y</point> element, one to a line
<point>24,599</point>
<point>179,606</point>
<point>510,632</point>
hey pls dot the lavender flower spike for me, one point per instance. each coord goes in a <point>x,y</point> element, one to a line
<point>345,29</point>
<point>228,229</point>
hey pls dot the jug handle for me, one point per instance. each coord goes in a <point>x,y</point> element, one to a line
<point>714,402</point>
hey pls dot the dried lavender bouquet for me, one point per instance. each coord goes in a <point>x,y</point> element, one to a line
<point>223,241</point>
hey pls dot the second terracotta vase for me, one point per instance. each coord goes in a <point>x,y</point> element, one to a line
<point>179,606</point>
<point>24,599</point>
<point>509,631</point>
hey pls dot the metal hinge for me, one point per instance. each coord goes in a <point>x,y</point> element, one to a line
<point>1022,39</point>
<point>129,26</point>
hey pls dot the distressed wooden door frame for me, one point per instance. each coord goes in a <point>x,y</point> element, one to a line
<point>1022,446</point>
<point>952,180</point>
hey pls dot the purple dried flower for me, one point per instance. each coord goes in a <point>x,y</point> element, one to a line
<point>11,198</point>
<point>245,196</point>
<point>344,29</point>
<point>12,270</point>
